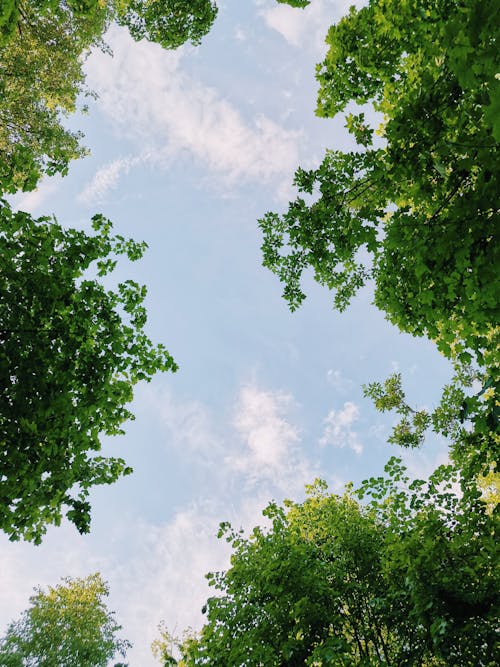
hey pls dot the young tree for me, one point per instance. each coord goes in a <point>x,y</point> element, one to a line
<point>405,579</point>
<point>70,353</point>
<point>414,211</point>
<point>67,626</point>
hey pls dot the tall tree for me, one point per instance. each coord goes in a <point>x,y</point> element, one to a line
<point>414,210</point>
<point>68,625</point>
<point>407,579</point>
<point>70,353</point>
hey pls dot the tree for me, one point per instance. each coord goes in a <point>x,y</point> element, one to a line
<point>413,211</point>
<point>70,353</point>
<point>68,626</point>
<point>407,578</point>
<point>170,23</point>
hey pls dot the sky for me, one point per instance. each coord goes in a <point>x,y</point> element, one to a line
<point>188,149</point>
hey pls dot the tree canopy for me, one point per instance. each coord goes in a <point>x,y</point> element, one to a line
<point>68,625</point>
<point>413,211</point>
<point>169,23</point>
<point>406,578</point>
<point>71,351</point>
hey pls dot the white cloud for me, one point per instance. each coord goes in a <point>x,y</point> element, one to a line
<point>338,381</point>
<point>32,201</point>
<point>106,178</point>
<point>260,448</point>
<point>188,423</point>
<point>261,423</point>
<point>151,100</point>
<point>166,581</point>
<point>270,450</point>
<point>240,34</point>
<point>338,429</point>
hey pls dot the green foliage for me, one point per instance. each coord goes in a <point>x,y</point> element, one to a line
<point>8,19</point>
<point>68,626</point>
<point>469,420</point>
<point>414,211</point>
<point>402,214</point>
<point>407,578</point>
<point>170,23</point>
<point>70,353</point>
<point>295,3</point>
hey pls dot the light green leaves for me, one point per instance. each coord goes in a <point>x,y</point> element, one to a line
<point>67,625</point>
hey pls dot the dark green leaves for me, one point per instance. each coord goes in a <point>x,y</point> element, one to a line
<point>328,234</point>
<point>169,23</point>
<point>70,354</point>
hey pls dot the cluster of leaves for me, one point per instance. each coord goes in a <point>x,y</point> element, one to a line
<point>468,420</point>
<point>69,625</point>
<point>406,578</point>
<point>295,3</point>
<point>414,212</point>
<point>169,23</point>
<point>70,353</point>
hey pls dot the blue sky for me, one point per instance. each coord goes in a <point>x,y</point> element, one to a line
<point>188,150</point>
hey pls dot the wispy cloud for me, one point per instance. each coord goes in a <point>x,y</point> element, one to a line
<point>189,425</point>
<point>31,202</point>
<point>166,581</point>
<point>148,97</point>
<point>106,178</point>
<point>261,447</point>
<point>338,381</point>
<point>338,428</point>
